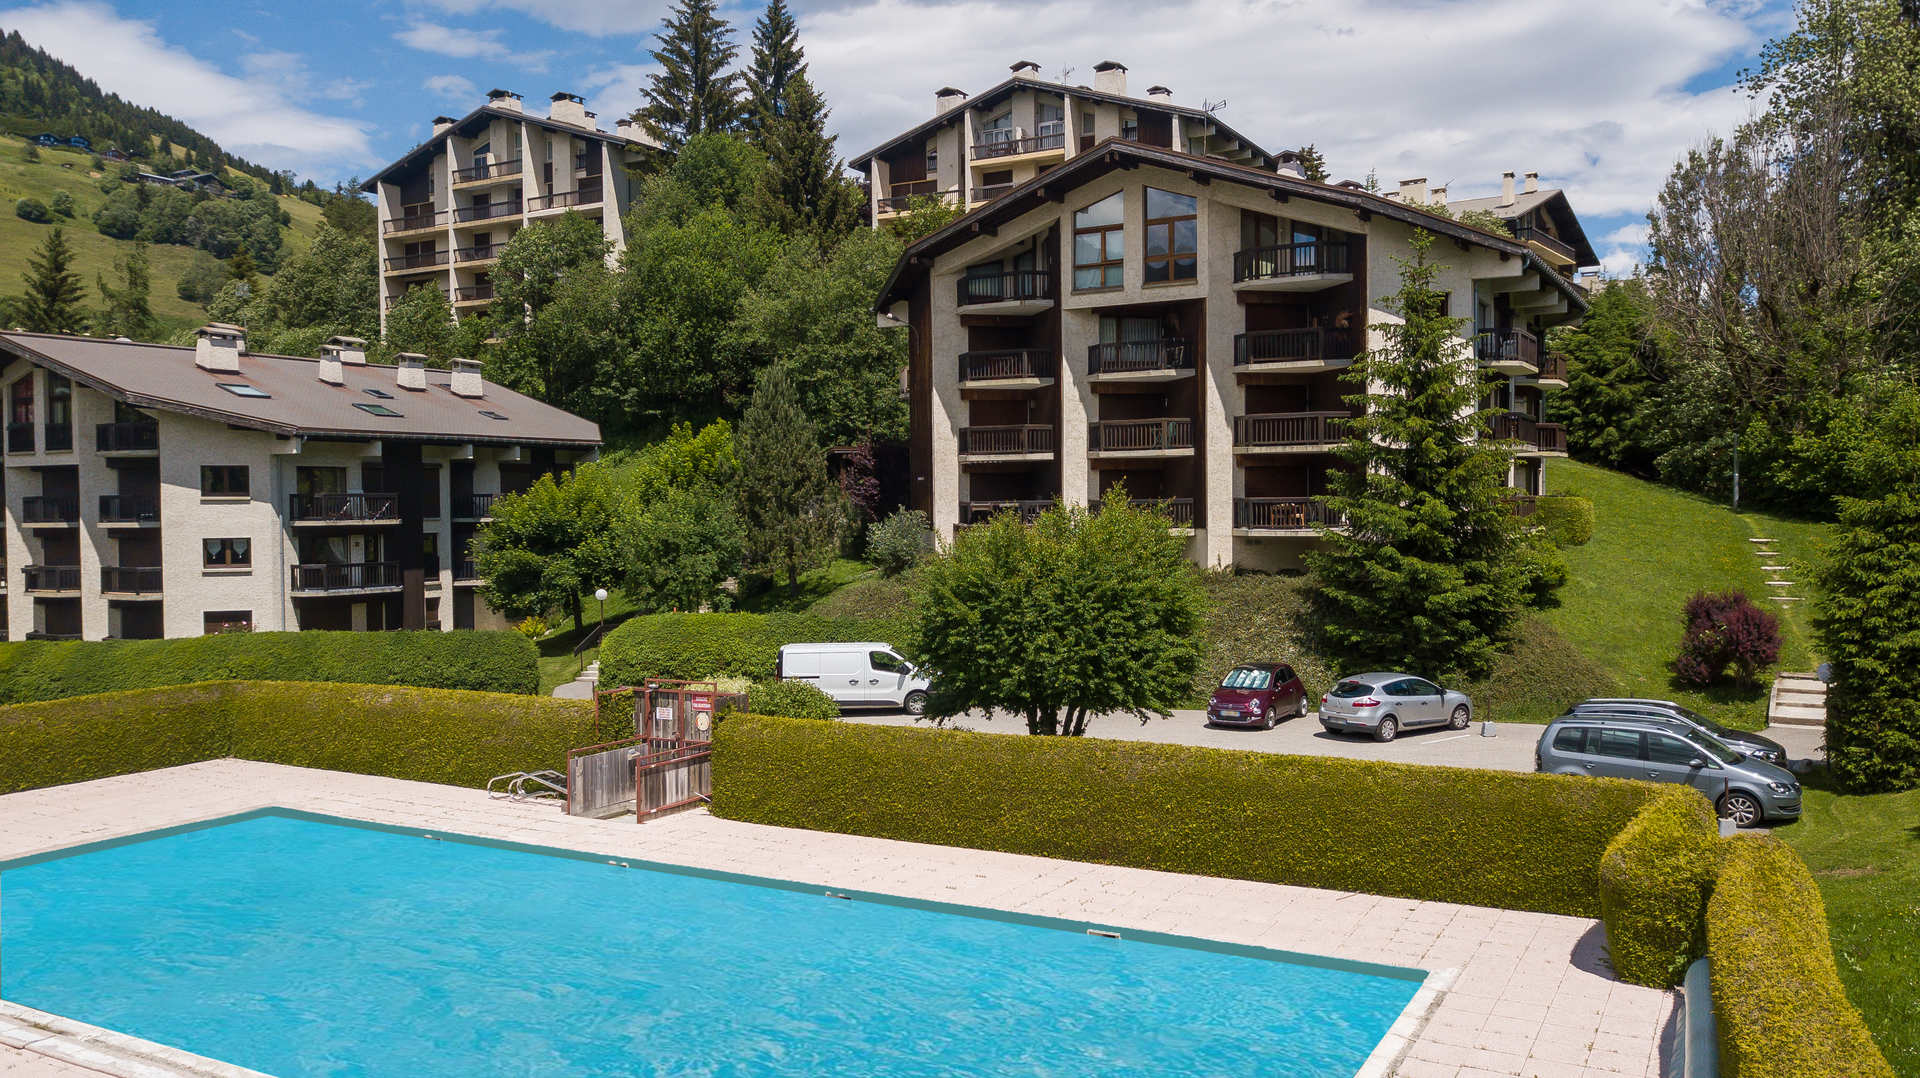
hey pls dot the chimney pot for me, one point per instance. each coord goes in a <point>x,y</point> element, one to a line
<point>441,125</point>
<point>1414,192</point>
<point>410,371</point>
<point>1025,69</point>
<point>569,109</point>
<point>1287,163</point>
<point>1439,197</point>
<point>338,354</point>
<point>331,371</point>
<point>504,99</point>
<point>1533,182</point>
<point>1506,188</point>
<point>218,347</point>
<point>466,378</point>
<point>1110,77</point>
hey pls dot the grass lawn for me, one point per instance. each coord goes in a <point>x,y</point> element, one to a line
<point>815,585</point>
<point>1865,854</point>
<point>558,663</point>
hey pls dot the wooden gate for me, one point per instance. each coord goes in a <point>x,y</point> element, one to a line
<point>671,755</point>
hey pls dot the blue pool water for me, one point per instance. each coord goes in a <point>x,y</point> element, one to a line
<point>299,946</point>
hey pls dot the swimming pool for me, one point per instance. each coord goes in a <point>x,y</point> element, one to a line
<point>301,945</point>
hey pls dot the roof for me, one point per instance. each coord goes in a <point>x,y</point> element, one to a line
<point>472,121</point>
<point>1554,201</point>
<point>1116,153</point>
<point>1084,93</point>
<point>164,377</point>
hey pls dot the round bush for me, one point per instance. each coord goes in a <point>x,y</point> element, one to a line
<point>62,203</point>
<point>792,699</point>
<point>32,209</point>
<point>899,541</point>
<point>1568,520</point>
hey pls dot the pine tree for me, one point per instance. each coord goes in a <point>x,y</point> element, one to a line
<point>1423,575</point>
<point>1312,165</point>
<point>240,267</point>
<point>804,189</point>
<point>790,509</point>
<point>777,59</point>
<point>129,312</point>
<point>53,303</point>
<point>693,93</point>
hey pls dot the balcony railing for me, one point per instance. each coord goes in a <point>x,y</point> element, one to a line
<point>42,634</point>
<point>59,437</point>
<point>1523,505</point>
<point>1027,509</point>
<point>1000,287</point>
<point>479,252</point>
<point>345,508</point>
<point>394,300</point>
<point>1507,346</point>
<point>134,437</point>
<point>487,211</point>
<point>417,260</point>
<point>413,221</point>
<point>585,196</point>
<point>1291,260</point>
<point>473,293</point>
<point>987,366</point>
<point>1283,514</point>
<point>130,579</point>
<point>1129,357</point>
<point>1291,346</point>
<point>987,192</point>
<point>20,437</point>
<point>1012,147</point>
<point>1290,428</point>
<point>1533,435</point>
<point>900,196</point>
<point>1550,438</point>
<point>488,171</point>
<point>1139,435</point>
<point>346,576</point>
<point>998,441</point>
<point>129,509</point>
<point>42,509</point>
<point>52,578</point>
<point>1553,367</point>
<point>464,570</point>
<point>1551,243</point>
<point>474,506</point>
<point>1180,510</point>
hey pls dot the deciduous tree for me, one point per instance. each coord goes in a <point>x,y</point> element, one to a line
<point>547,547</point>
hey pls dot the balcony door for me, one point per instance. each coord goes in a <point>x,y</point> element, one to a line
<point>997,130</point>
<point>480,155</point>
<point>315,480</point>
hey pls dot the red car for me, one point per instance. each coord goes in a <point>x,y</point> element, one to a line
<point>1257,694</point>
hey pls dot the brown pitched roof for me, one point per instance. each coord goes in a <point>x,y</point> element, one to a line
<point>164,377</point>
<point>1554,200</point>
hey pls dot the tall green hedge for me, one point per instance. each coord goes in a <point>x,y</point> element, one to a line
<point>1515,840</point>
<point>82,738</point>
<point>1654,882</point>
<point>1777,997</point>
<point>692,646</point>
<point>480,661</point>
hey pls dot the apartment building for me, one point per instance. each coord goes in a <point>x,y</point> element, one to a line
<point>975,149</point>
<point>1180,324</point>
<point>448,207</point>
<point>154,491</point>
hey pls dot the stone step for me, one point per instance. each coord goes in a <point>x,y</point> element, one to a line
<point>1763,540</point>
<point>1789,598</point>
<point>1796,718</point>
<point>1779,583</point>
<point>1776,568</point>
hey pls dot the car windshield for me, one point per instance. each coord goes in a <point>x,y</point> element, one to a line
<point>1718,747</point>
<point>1704,723</point>
<point>1247,677</point>
<point>1348,690</point>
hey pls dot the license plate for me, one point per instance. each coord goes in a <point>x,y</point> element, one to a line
<point>1227,713</point>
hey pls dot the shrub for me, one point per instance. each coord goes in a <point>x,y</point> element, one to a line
<point>533,627</point>
<point>1654,881</point>
<point>1566,519</point>
<point>62,203</point>
<point>1777,997</point>
<point>1541,571</point>
<point>1869,603</point>
<point>481,661</point>
<point>1485,838</point>
<point>899,541</point>
<point>700,646</point>
<point>1257,617</point>
<point>32,209</point>
<point>793,699</point>
<point>1726,629</point>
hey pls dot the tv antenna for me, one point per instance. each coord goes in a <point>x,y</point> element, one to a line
<point>1210,106</point>
<point>1066,73</point>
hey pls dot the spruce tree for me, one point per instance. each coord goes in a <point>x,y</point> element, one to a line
<point>1423,575</point>
<point>53,303</point>
<point>791,511</point>
<point>1312,165</point>
<point>804,189</point>
<point>129,312</point>
<point>777,59</point>
<point>693,93</point>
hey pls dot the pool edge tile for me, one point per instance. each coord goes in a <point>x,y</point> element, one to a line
<point>111,1052</point>
<point>1387,1055</point>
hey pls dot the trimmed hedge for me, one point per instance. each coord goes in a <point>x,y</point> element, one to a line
<point>1510,839</point>
<point>1654,882</point>
<point>504,662</point>
<point>1777,997</point>
<point>1568,520</point>
<point>698,646</point>
<point>429,735</point>
<point>794,699</point>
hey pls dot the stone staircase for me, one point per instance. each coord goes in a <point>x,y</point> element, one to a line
<point>1797,700</point>
<point>592,672</point>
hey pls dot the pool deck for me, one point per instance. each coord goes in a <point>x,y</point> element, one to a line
<point>1530,994</point>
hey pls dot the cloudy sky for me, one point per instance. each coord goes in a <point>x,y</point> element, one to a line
<point>1598,97</point>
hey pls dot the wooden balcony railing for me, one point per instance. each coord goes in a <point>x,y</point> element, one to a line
<point>59,437</point>
<point>1290,428</point>
<point>1123,357</point>
<point>345,508</point>
<point>42,509</point>
<point>473,293</point>
<point>1507,346</point>
<point>987,192</point>
<point>1511,427</point>
<point>1027,509</point>
<point>129,509</point>
<point>130,579</point>
<point>1139,435</point>
<point>999,287</point>
<point>479,252</point>
<point>490,170</point>
<point>487,211</point>
<point>1283,514</point>
<point>1553,367</point>
<point>1179,510</point>
<point>474,506</point>
<point>463,569</point>
<point>1291,260</point>
<point>1523,505</point>
<point>899,197</point>
<point>416,260</point>
<point>1009,441</point>
<point>1550,438</point>
<point>409,223</point>
<point>52,577</point>
<point>987,366</point>
<point>135,437</point>
<point>394,300</point>
<point>1012,147</point>
<point>20,437</point>
<point>1551,243</point>
<point>1291,345</point>
<point>346,576</point>
<point>585,196</point>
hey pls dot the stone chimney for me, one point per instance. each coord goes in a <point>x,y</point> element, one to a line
<point>218,348</point>
<point>410,371</point>
<point>466,379</point>
<point>1025,69</point>
<point>441,125</point>
<point>1160,92</point>
<point>1533,182</point>
<point>946,99</point>
<point>1506,188</point>
<point>1438,198</point>
<point>1110,77</point>
<point>569,109</point>
<point>338,354</point>
<point>1414,192</point>
<point>504,99</point>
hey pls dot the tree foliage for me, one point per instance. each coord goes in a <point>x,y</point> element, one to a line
<point>791,512</point>
<point>55,297</point>
<point>128,311</point>
<point>804,189</point>
<point>1612,358</point>
<point>777,59</point>
<point>552,544</point>
<point>1726,630</point>
<point>693,93</point>
<point>1313,165</point>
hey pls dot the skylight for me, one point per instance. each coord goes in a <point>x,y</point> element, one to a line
<point>242,389</point>
<point>493,415</point>
<point>375,409</point>
<point>381,393</point>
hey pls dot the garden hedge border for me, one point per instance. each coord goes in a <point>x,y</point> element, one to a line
<point>699,646</point>
<point>1654,881</point>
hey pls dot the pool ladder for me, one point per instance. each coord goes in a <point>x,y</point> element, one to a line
<point>528,786</point>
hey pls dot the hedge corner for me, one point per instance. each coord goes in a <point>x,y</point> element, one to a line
<point>1654,880</point>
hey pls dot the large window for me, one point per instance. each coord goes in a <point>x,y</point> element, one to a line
<point>20,416</point>
<point>1099,245</point>
<point>226,553</point>
<point>223,480</point>
<point>1172,237</point>
<point>59,412</point>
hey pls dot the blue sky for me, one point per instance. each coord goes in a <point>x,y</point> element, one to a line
<point>1599,98</point>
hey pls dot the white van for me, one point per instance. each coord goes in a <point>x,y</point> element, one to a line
<point>857,675</point>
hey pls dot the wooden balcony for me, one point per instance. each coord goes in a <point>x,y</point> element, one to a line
<point>52,579</point>
<point>1283,516</point>
<point>584,196</point>
<point>1007,368</point>
<point>57,511</point>
<point>486,211</point>
<point>418,222</point>
<point>1008,443</point>
<point>129,509</point>
<point>1140,360</point>
<point>1011,292</point>
<point>474,507</point>
<point>1552,248</point>
<point>1141,437</point>
<point>318,510</point>
<point>479,252</point>
<point>899,197</point>
<point>473,294</point>
<point>1507,351</point>
<point>1529,436</point>
<point>1292,350</point>
<point>417,260</point>
<point>1553,371</point>
<point>1289,432</point>
<point>1041,142</point>
<point>124,581</point>
<point>345,577</point>
<point>1028,510</point>
<point>490,170</point>
<point>1293,267</point>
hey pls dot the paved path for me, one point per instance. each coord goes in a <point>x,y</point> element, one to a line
<point>1531,994</point>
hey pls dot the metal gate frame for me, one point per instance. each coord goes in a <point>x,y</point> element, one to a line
<point>673,723</point>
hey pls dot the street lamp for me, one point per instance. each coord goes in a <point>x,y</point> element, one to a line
<point>600,596</point>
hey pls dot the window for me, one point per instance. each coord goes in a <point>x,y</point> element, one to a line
<point>493,415</point>
<point>20,416</point>
<point>1417,687</point>
<point>1049,119</point>
<point>1571,739</point>
<point>430,556</point>
<point>227,621</point>
<point>933,161</point>
<point>242,389</point>
<point>59,412</point>
<point>997,130</point>
<point>223,481</point>
<point>1350,690</point>
<point>1621,744</point>
<point>1130,128</point>
<point>226,553</point>
<point>1099,244</point>
<point>381,393</point>
<point>1172,237</point>
<point>1667,749</point>
<point>888,662</point>
<point>371,408</point>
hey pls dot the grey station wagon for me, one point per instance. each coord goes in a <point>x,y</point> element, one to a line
<point>1742,741</point>
<point>1743,789</point>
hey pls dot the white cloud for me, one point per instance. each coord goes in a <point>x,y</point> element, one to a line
<point>1627,236</point>
<point>249,112</point>
<point>596,17</point>
<point>1620,263</point>
<point>453,88</point>
<point>469,43</point>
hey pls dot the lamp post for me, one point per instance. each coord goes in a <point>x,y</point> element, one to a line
<point>600,596</point>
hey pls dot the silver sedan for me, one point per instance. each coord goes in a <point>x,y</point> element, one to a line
<point>1383,704</point>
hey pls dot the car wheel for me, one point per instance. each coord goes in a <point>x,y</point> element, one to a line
<point>1461,717</point>
<point>1300,709</point>
<point>1273,720</point>
<point>916,703</point>
<point>1742,808</point>
<point>1388,727</point>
